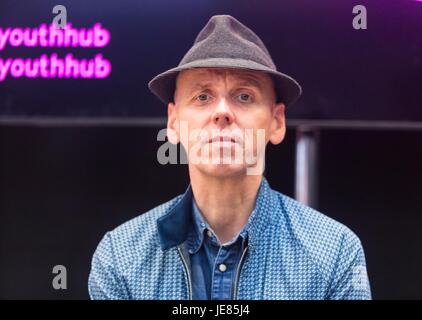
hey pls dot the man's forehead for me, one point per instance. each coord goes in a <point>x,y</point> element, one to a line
<point>208,74</point>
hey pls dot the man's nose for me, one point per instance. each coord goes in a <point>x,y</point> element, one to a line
<point>223,114</point>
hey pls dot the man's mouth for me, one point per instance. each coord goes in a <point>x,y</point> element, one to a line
<point>223,140</point>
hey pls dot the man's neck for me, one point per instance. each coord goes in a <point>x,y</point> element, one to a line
<point>226,203</point>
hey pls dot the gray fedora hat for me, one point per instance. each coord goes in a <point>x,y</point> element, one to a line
<point>225,42</point>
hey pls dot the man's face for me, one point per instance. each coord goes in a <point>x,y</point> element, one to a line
<point>234,105</point>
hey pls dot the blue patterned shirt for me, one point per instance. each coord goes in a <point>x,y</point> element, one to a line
<point>293,252</point>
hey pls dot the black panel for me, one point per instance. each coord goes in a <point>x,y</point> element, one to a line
<point>372,74</point>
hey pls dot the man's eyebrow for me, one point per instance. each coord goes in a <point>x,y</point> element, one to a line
<point>201,85</point>
<point>249,82</point>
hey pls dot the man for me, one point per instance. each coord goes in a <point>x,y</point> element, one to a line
<point>230,236</point>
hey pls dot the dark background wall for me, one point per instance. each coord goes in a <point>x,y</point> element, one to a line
<point>62,188</point>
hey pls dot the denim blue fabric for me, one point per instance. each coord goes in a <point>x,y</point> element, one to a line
<point>213,265</point>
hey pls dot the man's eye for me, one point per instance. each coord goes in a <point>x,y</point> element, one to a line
<point>203,97</point>
<point>244,97</point>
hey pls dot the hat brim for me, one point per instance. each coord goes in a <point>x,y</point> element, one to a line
<point>164,84</point>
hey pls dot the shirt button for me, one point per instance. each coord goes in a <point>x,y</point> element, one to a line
<point>209,233</point>
<point>222,267</point>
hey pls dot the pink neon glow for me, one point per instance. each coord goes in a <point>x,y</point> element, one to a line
<point>54,67</point>
<point>50,36</point>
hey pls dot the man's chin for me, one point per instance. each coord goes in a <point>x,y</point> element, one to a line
<point>223,170</point>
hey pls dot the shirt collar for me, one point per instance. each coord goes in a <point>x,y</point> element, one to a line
<point>173,226</point>
<point>199,226</point>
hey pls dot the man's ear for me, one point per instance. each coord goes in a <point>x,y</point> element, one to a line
<point>278,124</point>
<point>172,124</point>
